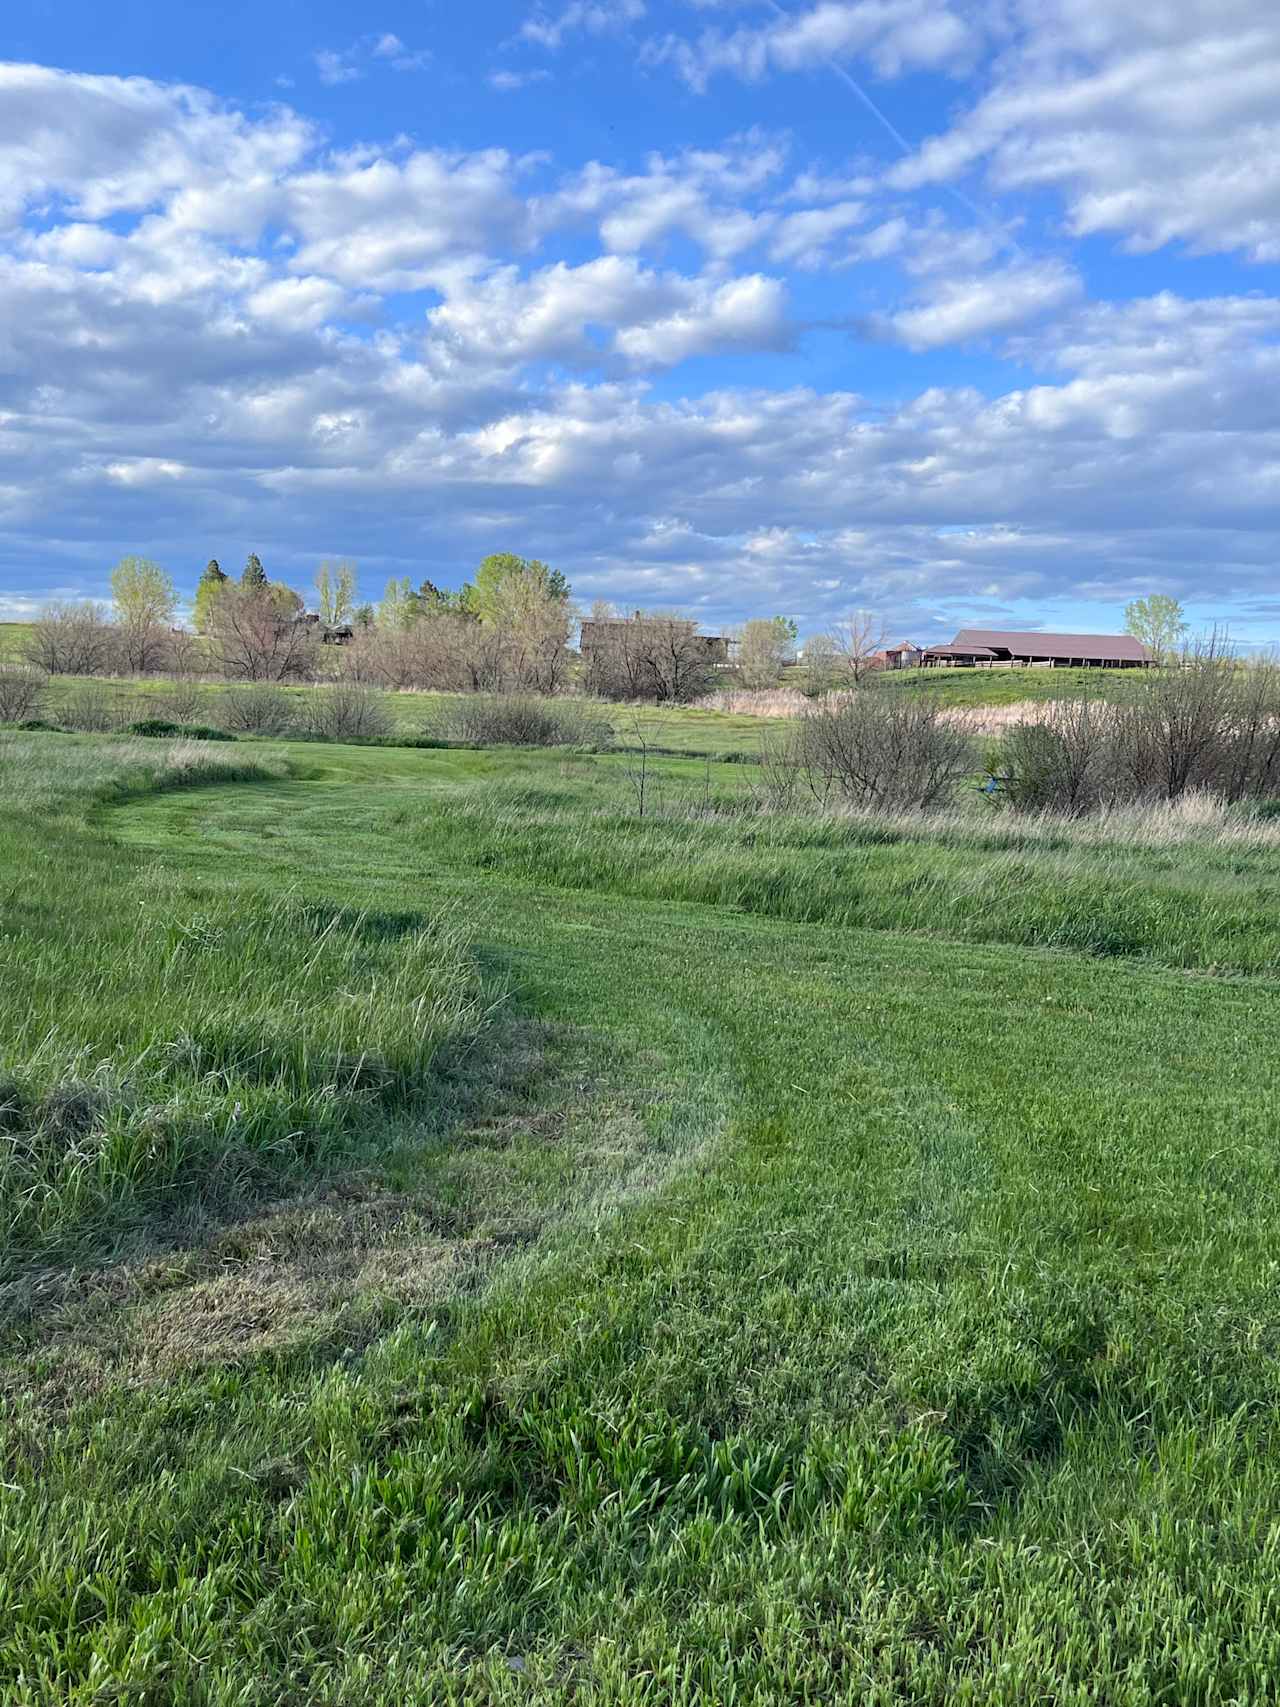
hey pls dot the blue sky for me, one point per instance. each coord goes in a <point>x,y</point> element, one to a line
<point>950,310</point>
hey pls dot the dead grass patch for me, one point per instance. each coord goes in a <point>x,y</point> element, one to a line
<point>538,1133</point>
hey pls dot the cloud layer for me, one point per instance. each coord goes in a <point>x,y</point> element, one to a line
<point>217,333</point>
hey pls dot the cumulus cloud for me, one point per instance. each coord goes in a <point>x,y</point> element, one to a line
<point>1156,123</point>
<point>958,311</point>
<point>107,145</point>
<point>892,35</point>
<point>590,17</point>
<point>611,311</point>
<point>209,335</point>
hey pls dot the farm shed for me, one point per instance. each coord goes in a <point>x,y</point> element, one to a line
<point>979,647</point>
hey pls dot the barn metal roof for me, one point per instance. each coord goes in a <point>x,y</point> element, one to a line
<point>1041,644</point>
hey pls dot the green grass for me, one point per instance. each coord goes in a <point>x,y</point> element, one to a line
<point>827,1307</point>
<point>12,638</point>
<point>1008,687</point>
<point>681,730</point>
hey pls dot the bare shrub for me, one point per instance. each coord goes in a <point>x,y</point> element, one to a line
<point>1253,759</point>
<point>22,692</point>
<point>519,720</point>
<point>887,751</point>
<point>780,785</point>
<point>347,710</point>
<point>70,640</point>
<point>1063,759</point>
<point>255,708</point>
<point>1173,731</point>
<point>180,701</point>
<point>90,707</point>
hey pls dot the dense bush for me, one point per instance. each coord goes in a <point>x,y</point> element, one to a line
<point>22,692</point>
<point>347,710</point>
<point>517,720</point>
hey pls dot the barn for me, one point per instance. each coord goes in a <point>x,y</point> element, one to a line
<point>976,648</point>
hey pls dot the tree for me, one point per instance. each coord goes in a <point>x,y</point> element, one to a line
<point>396,608</point>
<point>254,574</point>
<point>855,642</point>
<point>208,588</point>
<point>257,639</point>
<point>766,646</point>
<point>145,600</point>
<point>822,664</point>
<point>336,586</point>
<point>501,572</point>
<point>651,655</point>
<point>69,640</point>
<point>1157,621</point>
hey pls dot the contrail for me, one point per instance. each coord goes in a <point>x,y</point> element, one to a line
<point>846,77</point>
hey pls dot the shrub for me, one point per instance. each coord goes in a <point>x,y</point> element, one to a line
<point>347,710</point>
<point>89,707</point>
<point>22,693</point>
<point>870,749</point>
<point>256,708</point>
<point>1062,760</point>
<point>181,701</point>
<point>519,720</point>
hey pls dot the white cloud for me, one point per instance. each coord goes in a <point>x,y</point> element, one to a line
<point>892,35</point>
<point>610,311</point>
<point>506,82</point>
<point>590,17</point>
<point>803,238</point>
<point>334,68</point>
<point>190,357</point>
<point>1158,123</point>
<point>111,145</point>
<point>958,311</point>
<point>392,224</point>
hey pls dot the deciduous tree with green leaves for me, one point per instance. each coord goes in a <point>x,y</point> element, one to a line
<point>145,600</point>
<point>503,576</point>
<point>211,583</point>
<point>767,644</point>
<point>1158,621</point>
<point>336,589</point>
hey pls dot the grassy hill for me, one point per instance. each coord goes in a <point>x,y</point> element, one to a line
<point>1007,687</point>
<point>467,1243</point>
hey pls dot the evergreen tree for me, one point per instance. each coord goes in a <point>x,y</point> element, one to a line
<point>254,574</point>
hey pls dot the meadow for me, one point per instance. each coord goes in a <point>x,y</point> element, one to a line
<point>469,1241</point>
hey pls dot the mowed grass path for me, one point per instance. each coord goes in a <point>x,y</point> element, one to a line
<point>941,1368</point>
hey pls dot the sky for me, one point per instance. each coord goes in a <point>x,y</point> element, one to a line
<point>955,311</point>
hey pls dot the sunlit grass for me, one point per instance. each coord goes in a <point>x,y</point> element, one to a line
<point>933,1363</point>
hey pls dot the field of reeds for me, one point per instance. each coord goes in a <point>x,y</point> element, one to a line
<point>501,1224</point>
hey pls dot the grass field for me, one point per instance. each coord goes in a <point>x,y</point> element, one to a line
<point>777,1261</point>
<point>1008,687</point>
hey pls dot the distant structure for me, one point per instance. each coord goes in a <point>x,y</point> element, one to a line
<point>979,648</point>
<point>906,655</point>
<point>331,633</point>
